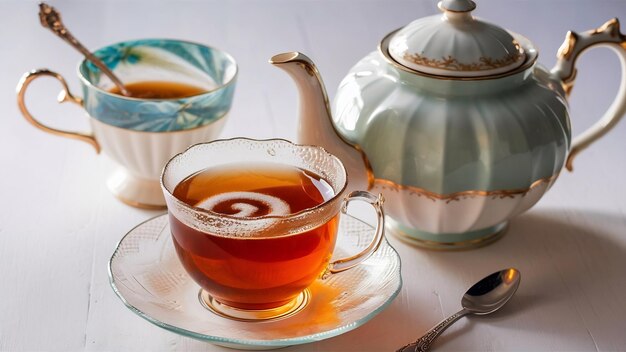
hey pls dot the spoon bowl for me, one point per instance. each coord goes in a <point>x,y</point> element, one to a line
<point>484,297</point>
<point>492,292</point>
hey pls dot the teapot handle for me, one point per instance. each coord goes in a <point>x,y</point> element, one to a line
<point>565,69</point>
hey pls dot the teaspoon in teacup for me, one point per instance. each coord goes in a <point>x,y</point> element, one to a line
<point>484,297</point>
<point>51,18</point>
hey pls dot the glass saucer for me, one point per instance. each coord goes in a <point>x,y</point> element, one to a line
<point>146,275</point>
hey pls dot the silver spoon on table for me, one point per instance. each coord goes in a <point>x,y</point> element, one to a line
<point>50,18</point>
<point>484,297</point>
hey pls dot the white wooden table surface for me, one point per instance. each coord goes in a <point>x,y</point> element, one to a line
<point>59,224</point>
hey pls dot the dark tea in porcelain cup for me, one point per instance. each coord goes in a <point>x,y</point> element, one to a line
<point>181,93</point>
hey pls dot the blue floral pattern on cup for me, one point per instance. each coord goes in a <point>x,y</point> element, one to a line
<point>163,60</point>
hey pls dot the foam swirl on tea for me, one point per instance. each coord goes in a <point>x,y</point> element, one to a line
<point>254,190</point>
<point>245,204</point>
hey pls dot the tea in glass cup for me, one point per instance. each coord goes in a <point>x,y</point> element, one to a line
<point>254,223</point>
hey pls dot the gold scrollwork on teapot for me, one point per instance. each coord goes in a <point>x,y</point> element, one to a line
<point>452,64</point>
<point>457,196</point>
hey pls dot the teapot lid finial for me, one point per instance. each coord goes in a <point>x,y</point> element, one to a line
<point>456,44</point>
<point>457,5</point>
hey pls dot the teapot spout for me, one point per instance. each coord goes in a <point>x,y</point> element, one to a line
<point>315,126</point>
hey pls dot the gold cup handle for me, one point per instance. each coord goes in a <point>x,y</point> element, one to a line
<point>350,262</point>
<point>63,97</point>
<point>565,69</point>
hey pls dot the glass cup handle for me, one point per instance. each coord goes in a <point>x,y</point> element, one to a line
<point>63,97</point>
<point>344,264</point>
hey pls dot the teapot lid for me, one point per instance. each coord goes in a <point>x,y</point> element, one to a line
<point>456,44</point>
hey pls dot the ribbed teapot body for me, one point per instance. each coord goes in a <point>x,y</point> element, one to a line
<point>454,158</point>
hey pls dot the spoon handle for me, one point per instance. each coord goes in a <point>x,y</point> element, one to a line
<point>424,342</point>
<point>69,38</point>
<point>51,19</point>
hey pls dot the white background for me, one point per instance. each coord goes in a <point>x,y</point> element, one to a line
<point>59,224</point>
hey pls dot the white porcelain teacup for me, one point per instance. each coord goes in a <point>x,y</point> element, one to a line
<point>141,135</point>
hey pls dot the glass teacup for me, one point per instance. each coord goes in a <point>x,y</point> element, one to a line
<point>258,267</point>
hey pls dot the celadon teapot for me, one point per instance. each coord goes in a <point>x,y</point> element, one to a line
<point>454,121</point>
